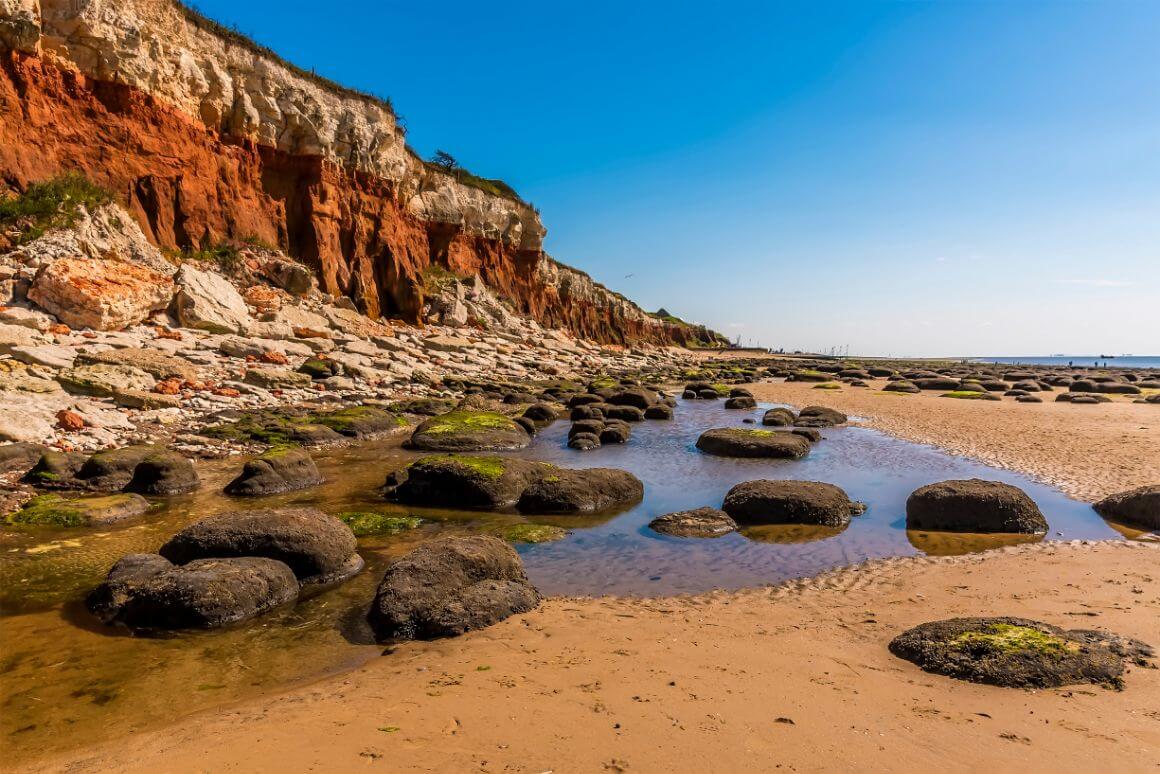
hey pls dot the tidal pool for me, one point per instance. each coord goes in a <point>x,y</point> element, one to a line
<point>67,681</point>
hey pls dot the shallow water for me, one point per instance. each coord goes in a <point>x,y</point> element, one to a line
<point>68,681</point>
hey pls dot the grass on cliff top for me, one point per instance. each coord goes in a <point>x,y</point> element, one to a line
<point>52,204</point>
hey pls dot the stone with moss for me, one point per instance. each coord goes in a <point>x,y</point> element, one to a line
<point>1017,652</point>
<point>463,481</point>
<point>532,533</point>
<point>465,430</point>
<point>971,395</point>
<point>50,510</point>
<point>275,471</point>
<point>364,523</point>
<point>360,421</point>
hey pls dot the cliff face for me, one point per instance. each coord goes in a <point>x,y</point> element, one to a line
<point>208,137</point>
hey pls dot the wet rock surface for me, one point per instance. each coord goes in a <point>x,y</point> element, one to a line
<point>789,502</point>
<point>469,431</point>
<point>281,469</point>
<point>742,442</point>
<point>319,548</point>
<point>973,506</point>
<point>450,586</point>
<point>1139,507</point>
<point>1016,652</point>
<point>697,523</point>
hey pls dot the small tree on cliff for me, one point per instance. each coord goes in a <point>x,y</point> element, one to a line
<point>446,162</point>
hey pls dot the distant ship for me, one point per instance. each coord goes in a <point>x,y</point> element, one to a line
<point>1107,357</point>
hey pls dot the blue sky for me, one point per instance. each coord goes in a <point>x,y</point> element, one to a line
<point>905,178</point>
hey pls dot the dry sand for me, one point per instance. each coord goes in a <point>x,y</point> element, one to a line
<point>1087,451</point>
<point>797,677</point>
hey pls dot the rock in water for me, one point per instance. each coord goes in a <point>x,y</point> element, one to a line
<point>463,481</point>
<point>778,417</point>
<point>100,294</point>
<point>163,473</point>
<point>143,593</point>
<point>743,442</point>
<point>469,431</point>
<point>1140,507</point>
<point>450,586</point>
<point>973,506</point>
<point>741,402</point>
<point>317,547</point>
<point>790,502</point>
<point>54,511</point>
<point>281,469</point>
<point>699,523</point>
<point>820,416</point>
<point>581,491</point>
<point>1016,652</point>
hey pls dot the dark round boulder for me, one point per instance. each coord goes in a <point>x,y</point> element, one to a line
<point>820,416</point>
<point>1139,507</point>
<point>55,470</point>
<point>584,399</point>
<point>541,413</point>
<point>581,491</point>
<point>584,442</point>
<point>936,383</point>
<point>973,505</point>
<point>20,457</point>
<point>1016,652</point>
<point>638,397</point>
<point>588,411</point>
<point>317,547</point>
<point>528,425</point>
<point>202,594</point>
<point>697,523</point>
<point>278,470</point>
<point>462,430</point>
<point>778,417</point>
<point>462,481</point>
<point>361,421</point>
<point>615,432</point>
<point>745,442</point>
<point>659,411</point>
<point>902,386</point>
<point>450,586</point>
<point>624,413</point>
<point>689,395</point>
<point>129,572</point>
<point>589,426</point>
<point>112,469</point>
<point>709,394</point>
<point>740,392</point>
<point>741,402</point>
<point>790,502</point>
<point>809,433</point>
<point>163,472</point>
<point>1028,399</point>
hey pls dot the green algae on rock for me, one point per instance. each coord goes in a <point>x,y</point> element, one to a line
<point>52,510</point>
<point>364,523</point>
<point>464,430</point>
<point>532,533</point>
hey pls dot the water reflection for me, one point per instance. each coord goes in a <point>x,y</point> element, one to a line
<point>959,543</point>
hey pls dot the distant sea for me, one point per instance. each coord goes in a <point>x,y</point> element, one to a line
<point>1133,361</point>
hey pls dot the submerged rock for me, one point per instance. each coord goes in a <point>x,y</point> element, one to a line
<point>450,586</point>
<point>281,469</point>
<point>790,502</point>
<point>317,547</point>
<point>463,430</point>
<point>55,511</point>
<point>147,592</point>
<point>1016,652</point>
<point>745,442</point>
<point>973,506</point>
<point>1140,507</point>
<point>698,523</point>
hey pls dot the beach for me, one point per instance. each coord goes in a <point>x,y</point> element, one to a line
<point>1087,451</point>
<point>796,677</point>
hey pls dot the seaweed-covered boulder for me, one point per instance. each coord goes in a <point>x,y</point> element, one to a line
<point>281,469</point>
<point>746,442</point>
<point>820,416</point>
<point>147,592</point>
<point>317,547</point>
<point>55,470</point>
<point>1016,652</point>
<point>790,502</point>
<point>360,421</point>
<point>741,402</point>
<point>778,417</point>
<point>973,505</point>
<point>163,472</point>
<point>465,430</point>
<point>450,586</point>
<point>463,481</point>
<point>50,510</point>
<point>1140,507</point>
<point>319,368</point>
<point>698,523</point>
<point>581,491</point>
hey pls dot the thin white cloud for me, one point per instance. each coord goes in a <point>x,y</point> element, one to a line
<point>735,325</point>
<point>1097,283</point>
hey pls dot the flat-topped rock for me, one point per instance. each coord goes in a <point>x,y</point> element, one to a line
<point>973,505</point>
<point>790,502</point>
<point>466,430</point>
<point>745,442</point>
<point>698,523</point>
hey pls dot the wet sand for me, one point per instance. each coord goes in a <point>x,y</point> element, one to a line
<point>797,677</point>
<point>1088,452</point>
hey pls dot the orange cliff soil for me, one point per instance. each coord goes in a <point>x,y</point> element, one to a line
<point>189,186</point>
